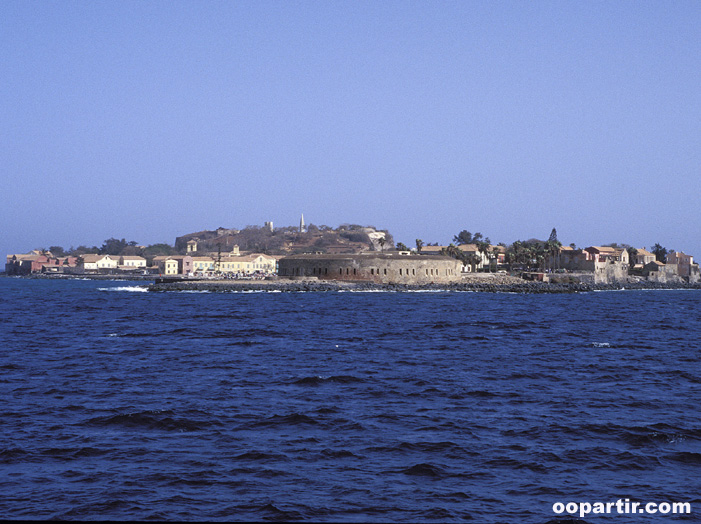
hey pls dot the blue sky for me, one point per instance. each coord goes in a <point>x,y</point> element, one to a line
<point>149,120</point>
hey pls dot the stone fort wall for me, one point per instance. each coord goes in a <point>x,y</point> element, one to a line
<point>381,268</point>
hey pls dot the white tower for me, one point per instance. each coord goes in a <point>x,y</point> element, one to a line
<point>302,227</point>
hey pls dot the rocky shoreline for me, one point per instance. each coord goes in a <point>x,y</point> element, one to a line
<point>520,286</point>
<point>486,283</point>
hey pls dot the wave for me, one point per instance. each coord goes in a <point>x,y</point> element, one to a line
<point>293,419</point>
<point>261,456</point>
<point>685,457</point>
<point>152,420</point>
<point>130,289</point>
<point>424,470</point>
<point>316,380</point>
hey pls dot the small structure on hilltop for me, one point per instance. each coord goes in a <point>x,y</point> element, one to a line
<point>381,268</point>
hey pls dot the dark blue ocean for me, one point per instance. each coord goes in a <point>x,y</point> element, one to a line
<point>386,407</point>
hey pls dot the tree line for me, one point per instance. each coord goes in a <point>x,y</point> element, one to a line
<point>526,254</point>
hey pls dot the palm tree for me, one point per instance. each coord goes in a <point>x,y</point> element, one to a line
<point>493,256</point>
<point>483,248</point>
<point>552,248</point>
<point>419,245</point>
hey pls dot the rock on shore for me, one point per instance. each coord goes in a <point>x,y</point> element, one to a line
<point>498,284</point>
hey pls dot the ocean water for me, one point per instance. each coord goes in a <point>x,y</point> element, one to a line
<point>389,407</point>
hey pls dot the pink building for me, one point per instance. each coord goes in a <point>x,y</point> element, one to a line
<point>683,261</point>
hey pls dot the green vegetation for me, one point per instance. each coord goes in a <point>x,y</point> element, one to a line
<point>660,252</point>
<point>465,237</point>
<point>113,246</point>
<point>284,240</point>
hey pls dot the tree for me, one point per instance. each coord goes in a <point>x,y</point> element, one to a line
<point>553,236</point>
<point>402,247</point>
<point>82,250</point>
<point>455,252</point>
<point>513,254</point>
<point>510,258</point>
<point>464,237</point>
<point>382,241</point>
<point>660,252</point>
<point>552,249</point>
<point>493,257</point>
<point>114,246</point>
<point>159,249</point>
<point>57,251</point>
<point>419,245</point>
<point>483,248</point>
<point>632,254</point>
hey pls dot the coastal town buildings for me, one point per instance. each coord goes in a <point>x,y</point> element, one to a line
<point>131,262</point>
<point>657,271</point>
<point>93,263</point>
<point>384,268</point>
<point>683,261</point>
<point>493,255</point>
<point>167,265</point>
<point>215,254</point>
<point>37,262</point>
<point>642,257</point>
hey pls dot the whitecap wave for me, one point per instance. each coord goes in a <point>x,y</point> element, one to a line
<point>137,289</point>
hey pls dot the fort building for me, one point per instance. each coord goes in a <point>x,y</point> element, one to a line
<point>381,268</point>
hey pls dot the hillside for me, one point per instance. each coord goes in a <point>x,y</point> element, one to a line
<point>347,238</point>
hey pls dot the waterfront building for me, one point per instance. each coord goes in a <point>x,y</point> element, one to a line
<point>642,257</point>
<point>93,262</point>
<point>131,262</point>
<point>202,265</point>
<point>386,268</point>
<point>683,261</point>
<point>247,264</point>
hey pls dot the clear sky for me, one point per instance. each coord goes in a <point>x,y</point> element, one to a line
<point>148,120</point>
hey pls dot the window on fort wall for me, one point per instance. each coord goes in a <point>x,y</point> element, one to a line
<point>385,271</point>
<point>326,271</point>
<point>400,271</point>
